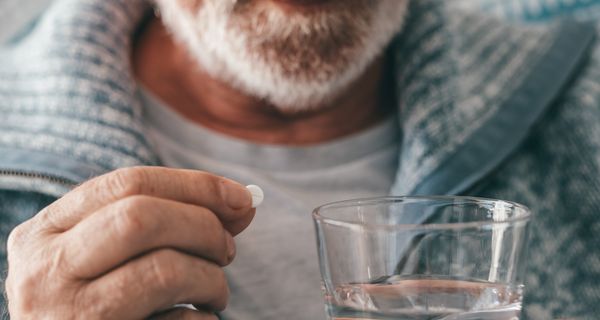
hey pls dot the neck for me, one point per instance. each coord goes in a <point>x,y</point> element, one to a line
<point>163,67</point>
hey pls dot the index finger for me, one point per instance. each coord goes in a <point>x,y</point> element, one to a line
<point>229,200</point>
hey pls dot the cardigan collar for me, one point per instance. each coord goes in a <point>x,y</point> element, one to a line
<point>470,88</point>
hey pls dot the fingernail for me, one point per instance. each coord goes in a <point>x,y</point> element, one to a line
<point>257,195</point>
<point>230,246</point>
<point>236,195</point>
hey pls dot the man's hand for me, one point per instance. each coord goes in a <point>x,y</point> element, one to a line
<point>128,244</point>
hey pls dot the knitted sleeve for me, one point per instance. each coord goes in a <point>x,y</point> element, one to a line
<point>556,172</point>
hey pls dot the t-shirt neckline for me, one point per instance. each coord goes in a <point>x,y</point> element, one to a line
<point>163,120</point>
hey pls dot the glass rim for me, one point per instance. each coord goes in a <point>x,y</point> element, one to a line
<point>318,216</point>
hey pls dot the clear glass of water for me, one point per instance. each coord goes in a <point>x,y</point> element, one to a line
<point>422,258</point>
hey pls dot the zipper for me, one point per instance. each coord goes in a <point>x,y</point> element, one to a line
<point>36,175</point>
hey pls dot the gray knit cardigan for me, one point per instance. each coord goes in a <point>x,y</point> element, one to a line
<point>486,109</point>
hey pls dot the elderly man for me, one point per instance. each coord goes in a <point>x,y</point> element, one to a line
<point>315,101</point>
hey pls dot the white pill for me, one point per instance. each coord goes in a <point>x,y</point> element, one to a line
<point>257,195</point>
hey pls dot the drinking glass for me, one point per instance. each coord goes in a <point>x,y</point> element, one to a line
<point>422,258</point>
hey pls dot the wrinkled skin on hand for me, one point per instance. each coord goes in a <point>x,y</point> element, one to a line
<point>129,245</point>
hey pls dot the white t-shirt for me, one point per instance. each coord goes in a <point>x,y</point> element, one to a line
<point>275,274</point>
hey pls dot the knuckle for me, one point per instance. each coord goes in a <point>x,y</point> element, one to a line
<point>90,302</point>
<point>33,279</point>
<point>218,185</point>
<point>126,181</point>
<point>214,184</point>
<point>23,277</point>
<point>98,307</point>
<point>131,218</point>
<point>22,291</point>
<point>15,239</point>
<point>166,271</point>
<point>216,236</point>
<point>225,255</point>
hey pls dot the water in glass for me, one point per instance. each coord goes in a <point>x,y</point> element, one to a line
<point>425,298</point>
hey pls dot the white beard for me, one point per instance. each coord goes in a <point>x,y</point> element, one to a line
<point>295,61</point>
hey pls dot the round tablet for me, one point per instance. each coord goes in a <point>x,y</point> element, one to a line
<point>257,195</point>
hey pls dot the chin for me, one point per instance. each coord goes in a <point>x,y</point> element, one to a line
<point>295,54</point>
